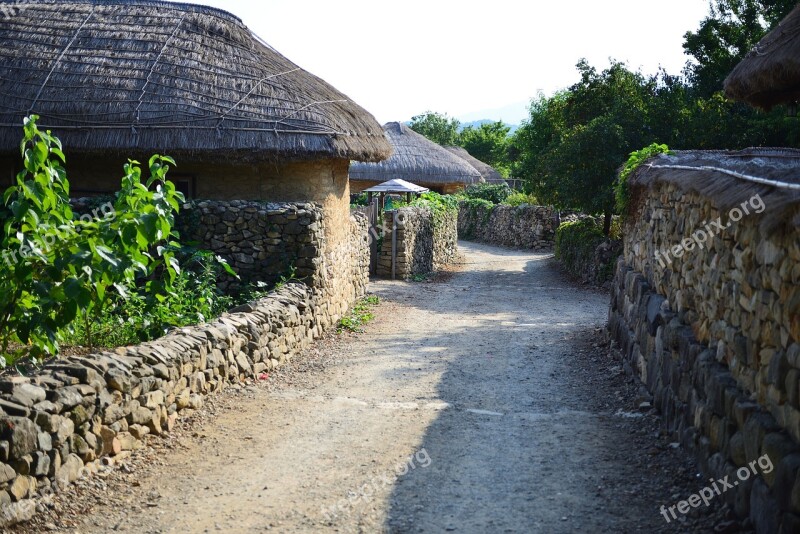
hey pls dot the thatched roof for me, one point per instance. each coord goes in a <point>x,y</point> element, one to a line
<point>397,186</point>
<point>770,73</point>
<point>488,172</point>
<point>728,178</point>
<point>416,159</point>
<point>125,75</point>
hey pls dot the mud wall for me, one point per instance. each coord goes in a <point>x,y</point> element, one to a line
<point>426,241</point>
<point>530,227</point>
<point>713,333</point>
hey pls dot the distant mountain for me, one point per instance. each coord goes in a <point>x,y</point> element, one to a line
<point>477,124</point>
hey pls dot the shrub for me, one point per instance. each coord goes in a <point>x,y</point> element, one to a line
<point>576,245</point>
<point>494,193</point>
<point>621,190</point>
<point>61,268</point>
<point>518,199</point>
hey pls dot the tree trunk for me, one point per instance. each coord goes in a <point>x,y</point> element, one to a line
<point>607,223</point>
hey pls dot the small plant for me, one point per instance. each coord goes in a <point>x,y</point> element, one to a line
<point>61,268</point>
<point>494,193</point>
<point>621,189</point>
<point>359,315</point>
<point>518,199</point>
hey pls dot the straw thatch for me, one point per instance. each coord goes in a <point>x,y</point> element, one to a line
<point>770,73</point>
<point>397,186</point>
<point>127,75</point>
<point>489,174</point>
<point>416,159</point>
<point>729,178</point>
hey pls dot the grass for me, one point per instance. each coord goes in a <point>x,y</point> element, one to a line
<point>359,315</point>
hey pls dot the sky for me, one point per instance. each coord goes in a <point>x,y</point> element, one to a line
<point>471,60</point>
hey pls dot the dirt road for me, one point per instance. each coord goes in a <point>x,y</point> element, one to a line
<point>482,403</point>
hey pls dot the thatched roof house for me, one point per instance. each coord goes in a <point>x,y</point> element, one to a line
<point>770,73</point>
<point>127,78</point>
<point>489,174</point>
<point>418,160</point>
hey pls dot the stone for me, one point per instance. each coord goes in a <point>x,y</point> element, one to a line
<point>764,512</point>
<point>111,445</point>
<point>777,446</point>
<point>138,431</point>
<point>22,486</point>
<point>80,415</point>
<point>68,397</point>
<point>18,512</point>
<point>44,441</point>
<point>128,442</point>
<point>28,394</point>
<point>7,473</point>
<point>140,416</point>
<point>69,471</point>
<point>152,400</point>
<point>22,435</point>
<point>48,421</point>
<point>41,464</point>
<point>14,408</point>
<point>65,429</point>
<point>113,413</point>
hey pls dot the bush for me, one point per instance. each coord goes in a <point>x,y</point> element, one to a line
<point>494,193</point>
<point>577,245</point>
<point>621,190</point>
<point>518,199</point>
<point>61,268</point>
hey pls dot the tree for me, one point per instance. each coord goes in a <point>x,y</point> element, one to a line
<point>731,30</point>
<point>574,142</point>
<point>488,143</point>
<point>437,127</point>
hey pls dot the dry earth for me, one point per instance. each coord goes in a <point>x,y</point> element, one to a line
<point>486,401</point>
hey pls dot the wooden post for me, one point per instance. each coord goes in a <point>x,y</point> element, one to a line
<point>394,243</point>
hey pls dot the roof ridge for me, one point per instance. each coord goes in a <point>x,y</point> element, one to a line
<point>178,6</point>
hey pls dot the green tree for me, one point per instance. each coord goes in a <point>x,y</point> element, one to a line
<point>437,127</point>
<point>574,142</point>
<point>488,143</point>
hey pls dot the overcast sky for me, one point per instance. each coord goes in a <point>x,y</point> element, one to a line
<point>471,60</point>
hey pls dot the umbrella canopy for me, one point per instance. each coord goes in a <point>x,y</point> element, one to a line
<point>416,159</point>
<point>126,75</point>
<point>770,73</point>
<point>488,172</point>
<point>397,186</point>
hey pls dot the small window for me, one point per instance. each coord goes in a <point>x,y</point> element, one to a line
<point>185,184</point>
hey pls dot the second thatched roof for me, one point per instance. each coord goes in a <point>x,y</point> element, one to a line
<point>770,74</point>
<point>416,159</point>
<point>489,174</point>
<point>729,178</point>
<point>136,75</point>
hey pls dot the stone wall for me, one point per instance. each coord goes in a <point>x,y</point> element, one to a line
<point>713,332</point>
<point>261,241</point>
<point>58,424</point>
<point>586,253</point>
<point>265,241</point>
<point>75,412</point>
<point>530,227</point>
<point>422,245</point>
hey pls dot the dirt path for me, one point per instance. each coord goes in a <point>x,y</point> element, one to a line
<point>484,403</point>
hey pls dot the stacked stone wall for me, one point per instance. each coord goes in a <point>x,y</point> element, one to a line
<point>714,333</point>
<point>530,227</point>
